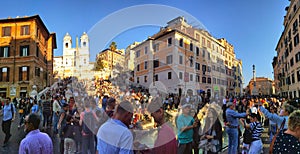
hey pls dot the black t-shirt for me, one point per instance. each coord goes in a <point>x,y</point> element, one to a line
<point>286,144</point>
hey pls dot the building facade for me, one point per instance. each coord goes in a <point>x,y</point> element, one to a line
<point>182,58</point>
<point>264,86</point>
<point>75,61</point>
<point>287,61</point>
<point>110,60</point>
<point>26,56</point>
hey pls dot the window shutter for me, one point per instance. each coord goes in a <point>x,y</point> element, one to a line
<point>28,72</point>
<point>20,73</point>
<point>28,50</point>
<point>1,51</point>
<point>1,74</point>
<point>7,77</point>
<point>21,50</point>
<point>8,52</point>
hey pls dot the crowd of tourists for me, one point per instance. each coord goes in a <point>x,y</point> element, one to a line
<point>115,121</point>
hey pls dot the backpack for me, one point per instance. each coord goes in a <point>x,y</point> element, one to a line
<point>88,124</point>
<point>247,136</point>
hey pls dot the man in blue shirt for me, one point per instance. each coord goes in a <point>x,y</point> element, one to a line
<point>232,118</point>
<point>185,124</point>
<point>113,136</point>
<point>8,113</point>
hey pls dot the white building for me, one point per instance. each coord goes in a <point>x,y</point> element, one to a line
<point>74,61</point>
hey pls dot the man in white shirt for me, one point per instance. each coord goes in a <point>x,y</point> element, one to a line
<point>55,108</point>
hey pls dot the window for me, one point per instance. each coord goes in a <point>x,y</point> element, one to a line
<point>37,51</point>
<point>198,37</point>
<point>208,55</point>
<point>293,78</point>
<point>203,69</point>
<point>4,74</point>
<point>214,80</point>
<point>146,65</point>
<point>203,41</point>
<point>197,66</point>
<point>296,40</point>
<point>203,79</point>
<point>169,75</point>
<point>156,47</point>
<point>37,71</point>
<point>191,47</point>
<point>191,61</point>
<point>24,50</point>
<point>169,41</point>
<point>203,54</point>
<point>146,50</point>
<point>24,73</point>
<point>137,79</point>
<point>156,63</point>
<point>6,31</point>
<point>197,78</point>
<point>4,51</point>
<point>298,75</point>
<point>84,61</point>
<point>180,59</point>
<point>208,69</point>
<point>181,76</point>
<point>297,57</point>
<point>138,54</point>
<point>84,44</point>
<point>191,77</point>
<point>208,44</point>
<point>197,51</point>
<point>292,61</point>
<point>145,79</point>
<point>156,77</point>
<point>67,45</point>
<point>138,67</point>
<point>208,80</point>
<point>169,59</point>
<point>25,30</point>
<point>291,47</point>
<point>181,42</point>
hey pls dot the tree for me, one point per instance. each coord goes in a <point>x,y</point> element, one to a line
<point>113,46</point>
<point>99,66</point>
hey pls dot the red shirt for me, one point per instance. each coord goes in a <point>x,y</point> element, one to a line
<point>166,141</point>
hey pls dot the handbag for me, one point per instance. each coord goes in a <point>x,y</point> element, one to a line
<point>275,136</point>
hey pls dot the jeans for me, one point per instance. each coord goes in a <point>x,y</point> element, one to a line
<point>88,144</point>
<point>6,129</point>
<point>256,147</point>
<point>46,119</point>
<point>22,117</point>
<point>233,136</point>
<point>55,122</point>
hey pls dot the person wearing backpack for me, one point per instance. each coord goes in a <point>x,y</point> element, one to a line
<point>87,121</point>
<point>8,113</point>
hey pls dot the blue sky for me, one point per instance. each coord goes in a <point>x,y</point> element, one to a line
<point>252,26</point>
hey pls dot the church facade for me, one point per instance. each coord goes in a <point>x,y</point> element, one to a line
<point>75,61</point>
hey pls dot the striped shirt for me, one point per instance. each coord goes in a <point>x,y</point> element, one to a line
<point>257,129</point>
